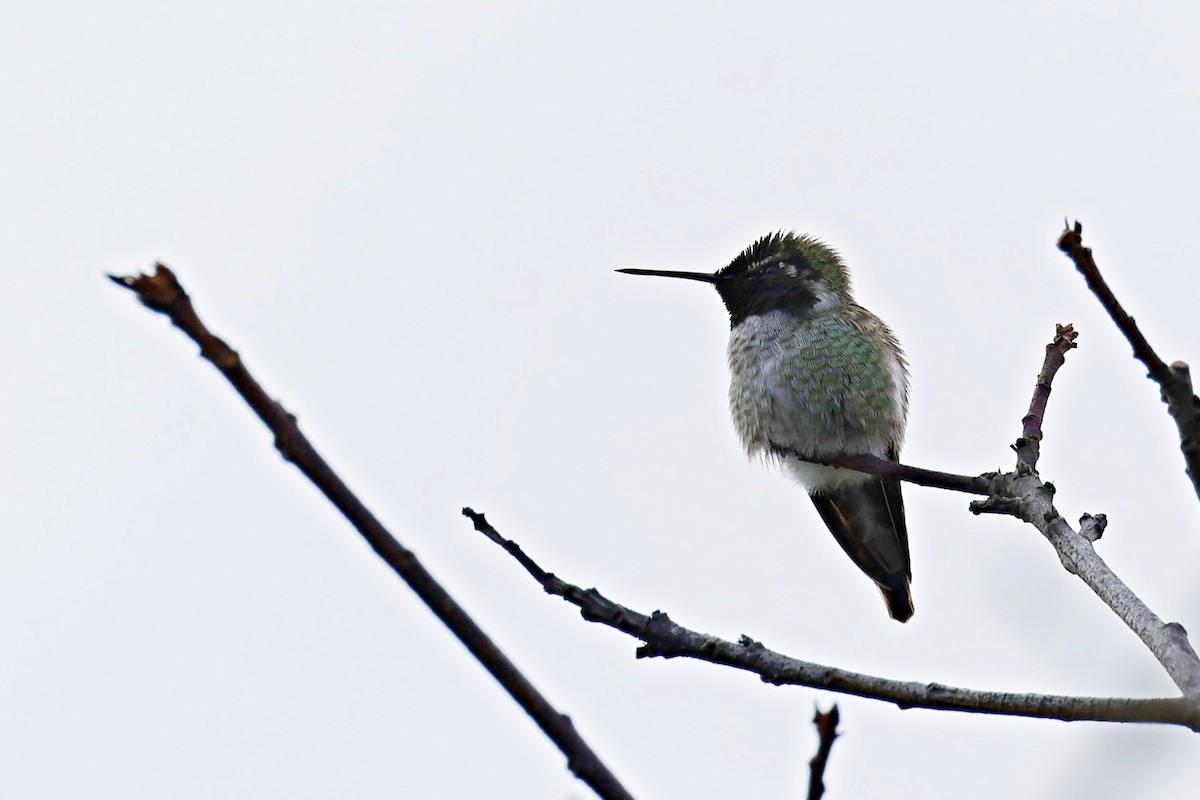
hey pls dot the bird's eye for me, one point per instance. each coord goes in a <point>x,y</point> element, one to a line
<point>776,267</point>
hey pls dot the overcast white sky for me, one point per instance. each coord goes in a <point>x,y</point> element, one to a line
<point>407,216</point>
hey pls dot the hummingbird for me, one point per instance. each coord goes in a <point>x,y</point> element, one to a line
<point>814,374</point>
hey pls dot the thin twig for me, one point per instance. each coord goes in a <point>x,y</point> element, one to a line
<point>826,722</point>
<point>1175,380</point>
<point>884,468</point>
<point>161,292</point>
<point>969,484</point>
<point>1028,447</point>
<point>663,638</point>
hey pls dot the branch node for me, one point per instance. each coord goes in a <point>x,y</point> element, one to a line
<point>1091,527</point>
<point>996,505</point>
<point>1068,562</point>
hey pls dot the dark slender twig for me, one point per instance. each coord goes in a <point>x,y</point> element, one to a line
<point>876,465</point>
<point>970,484</point>
<point>1071,243</point>
<point>161,292</point>
<point>1028,447</point>
<point>826,722</point>
<point>663,638</point>
<point>1175,380</point>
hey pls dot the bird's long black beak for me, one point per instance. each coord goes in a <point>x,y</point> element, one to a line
<point>704,277</point>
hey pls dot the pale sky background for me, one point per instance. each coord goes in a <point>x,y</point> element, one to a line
<point>406,216</point>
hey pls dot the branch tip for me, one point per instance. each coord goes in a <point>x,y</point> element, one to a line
<point>162,292</point>
<point>826,723</point>
<point>1175,384</point>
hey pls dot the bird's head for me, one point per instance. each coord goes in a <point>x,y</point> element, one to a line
<point>780,271</point>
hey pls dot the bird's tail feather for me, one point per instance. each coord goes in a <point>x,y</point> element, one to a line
<point>899,601</point>
<point>867,519</point>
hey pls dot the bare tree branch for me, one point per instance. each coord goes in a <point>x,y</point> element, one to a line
<point>1175,381</point>
<point>1030,499</point>
<point>1021,494</point>
<point>161,292</point>
<point>663,638</point>
<point>826,723</point>
<point>1028,447</point>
